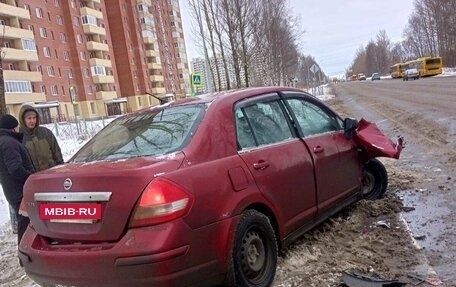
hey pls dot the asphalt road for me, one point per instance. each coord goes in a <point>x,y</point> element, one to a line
<point>424,112</point>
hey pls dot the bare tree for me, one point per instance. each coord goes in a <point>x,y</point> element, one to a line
<point>210,28</point>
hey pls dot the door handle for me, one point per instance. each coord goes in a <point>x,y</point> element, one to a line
<point>318,149</point>
<point>261,165</point>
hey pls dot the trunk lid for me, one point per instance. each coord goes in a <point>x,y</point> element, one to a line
<point>115,185</point>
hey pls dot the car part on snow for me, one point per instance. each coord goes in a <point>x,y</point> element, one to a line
<point>354,279</point>
<point>431,281</point>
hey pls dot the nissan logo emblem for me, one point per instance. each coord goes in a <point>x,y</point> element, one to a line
<point>67,184</point>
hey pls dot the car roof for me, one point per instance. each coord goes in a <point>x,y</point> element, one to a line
<point>225,97</point>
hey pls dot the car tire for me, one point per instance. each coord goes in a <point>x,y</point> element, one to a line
<point>254,254</point>
<point>375,180</point>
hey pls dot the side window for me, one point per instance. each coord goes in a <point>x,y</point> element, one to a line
<point>244,134</point>
<point>268,122</point>
<point>312,119</point>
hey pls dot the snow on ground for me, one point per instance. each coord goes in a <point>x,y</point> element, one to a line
<point>448,72</point>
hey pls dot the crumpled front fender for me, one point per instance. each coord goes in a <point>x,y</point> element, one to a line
<point>375,143</point>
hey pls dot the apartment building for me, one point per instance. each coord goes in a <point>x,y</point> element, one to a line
<point>91,58</point>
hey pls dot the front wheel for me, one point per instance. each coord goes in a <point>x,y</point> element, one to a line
<point>374,180</point>
<point>254,254</point>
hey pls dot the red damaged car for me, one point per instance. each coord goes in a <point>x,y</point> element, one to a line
<point>199,192</point>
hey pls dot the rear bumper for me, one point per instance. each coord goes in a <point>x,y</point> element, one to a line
<point>167,255</point>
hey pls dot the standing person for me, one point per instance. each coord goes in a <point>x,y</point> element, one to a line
<point>15,167</point>
<point>41,143</point>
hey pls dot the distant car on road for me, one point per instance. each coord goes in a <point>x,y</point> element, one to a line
<point>411,74</point>
<point>375,76</point>
<point>361,77</point>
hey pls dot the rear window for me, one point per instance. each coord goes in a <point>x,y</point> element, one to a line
<point>147,134</point>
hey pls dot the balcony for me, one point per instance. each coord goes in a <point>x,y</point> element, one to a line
<point>103,79</point>
<point>157,78</point>
<point>11,54</point>
<point>13,11</point>
<point>158,90</point>
<point>16,33</point>
<point>149,40</point>
<point>22,76</point>
<point>96,46</point>
<point>145,2</point>
<point>154,66</point>
<point>89,11</point>
<point>102,95</point>
<point>91,29</point>
<point>100,62</point>
<point>152,53</point>
<point>21,98</point>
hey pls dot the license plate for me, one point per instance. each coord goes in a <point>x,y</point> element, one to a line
<point>70,212</point>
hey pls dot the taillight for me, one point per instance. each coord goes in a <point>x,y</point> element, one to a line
<point>160,202</point>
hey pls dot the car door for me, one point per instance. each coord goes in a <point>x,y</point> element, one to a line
<point>279,162</point>
<point>337,168</point>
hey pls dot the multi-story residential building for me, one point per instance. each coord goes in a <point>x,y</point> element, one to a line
<point>198,65</point>
<point>19,57</point>
<point>110,55</point>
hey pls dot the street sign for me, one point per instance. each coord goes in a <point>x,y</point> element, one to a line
<point>314,68</point>
<point>197,80</point>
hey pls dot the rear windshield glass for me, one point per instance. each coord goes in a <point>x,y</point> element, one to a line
<point>157,132</point>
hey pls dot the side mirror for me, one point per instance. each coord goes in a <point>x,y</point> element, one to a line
<point>350,125</point>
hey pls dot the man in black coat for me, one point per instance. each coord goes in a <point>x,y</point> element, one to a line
<point>15,167</point>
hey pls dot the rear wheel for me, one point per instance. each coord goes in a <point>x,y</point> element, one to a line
<point>254,254</point>
<point>375,180</point>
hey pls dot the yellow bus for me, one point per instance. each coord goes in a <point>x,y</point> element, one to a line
<point>427,66</point>
<point>396,70</point>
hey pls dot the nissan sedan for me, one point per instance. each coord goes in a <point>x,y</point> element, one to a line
<point>199,192</point>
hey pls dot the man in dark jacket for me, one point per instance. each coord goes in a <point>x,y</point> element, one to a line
<point>41,143</point>
<point>15,168</point>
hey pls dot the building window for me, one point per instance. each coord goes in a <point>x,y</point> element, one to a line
<point>92,108</point>
<point>70,73</point>
<point>98,70</point>
<point>3,22</point>
<point>80,39</point>
<point>18,87</point>
<point>38,69</point>
<point>39,12</point>
<point>43,33</point>
<point>59,20</point>
<point>66,55</point>
<point>31,28</point>
<point>11,67</point>
<point>73,3</point>
<point>75,20</point>
<point>57,3</point>
<point>29,44</point>
<point>43,89</point>
<point>82,55</point>
<point>54,90</point>
<point>50,71</point>
<point>86,72</point>
<point>89,20</point>
<point>142,8</point>
<point>63,38</point>
<point>47,52</point>
<point>172,23</point>
<point>27,7</point>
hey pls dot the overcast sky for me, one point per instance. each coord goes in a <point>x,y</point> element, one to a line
<point>334,29</point>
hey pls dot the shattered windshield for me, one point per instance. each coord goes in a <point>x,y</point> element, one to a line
<point>146,134</point>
